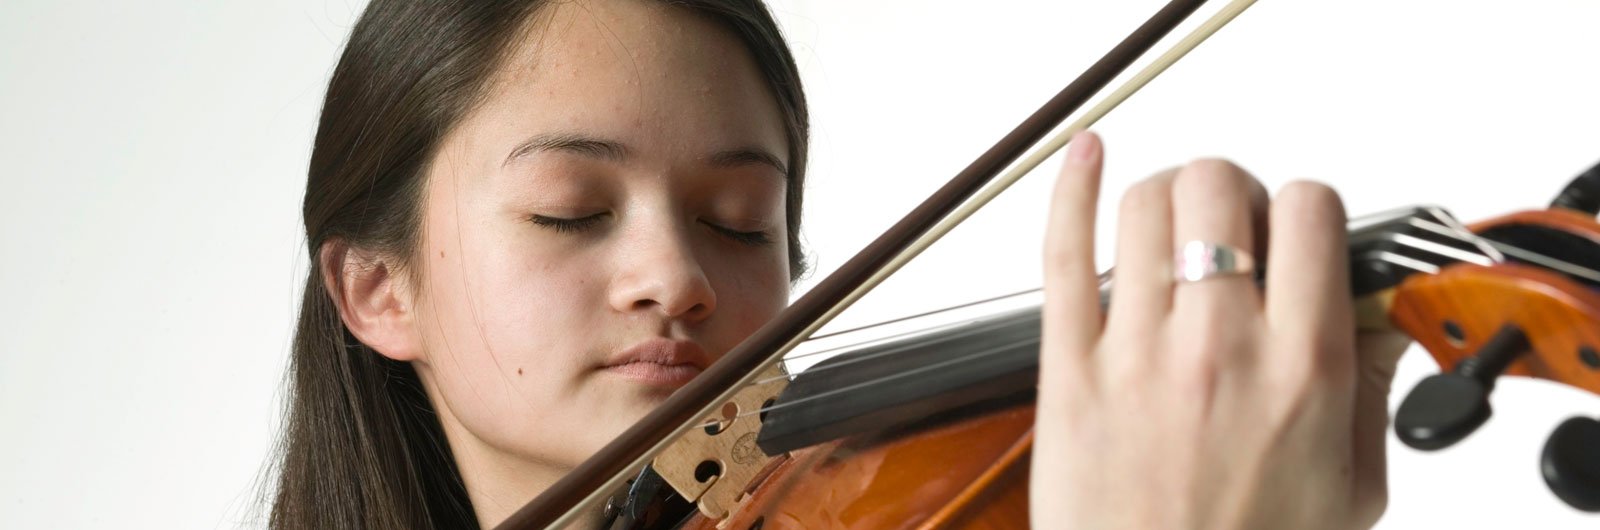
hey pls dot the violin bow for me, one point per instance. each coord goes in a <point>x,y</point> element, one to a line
<point>953,203</point>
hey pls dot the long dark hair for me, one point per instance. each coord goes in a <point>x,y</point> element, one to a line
<point>362,446</point>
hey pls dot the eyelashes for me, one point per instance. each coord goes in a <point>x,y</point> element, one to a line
<point>757,238</point>
<point>567,226</point>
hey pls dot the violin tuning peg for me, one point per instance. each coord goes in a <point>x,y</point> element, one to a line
<point>1582,194</point>
<point>1444,408</point>
<point>1441,410</point>
<point>1571,463</point>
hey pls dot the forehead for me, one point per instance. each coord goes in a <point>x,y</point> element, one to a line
<point>651,75</point>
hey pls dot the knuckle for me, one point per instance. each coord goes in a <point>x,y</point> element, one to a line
<point>1310,202</point>
<point>1199,354</point>
<point>1067,264</point>
<point>1056,252</point>
<point>1064,255</point>
<point>1214,175</point>
<point>1218,166</point>
<point>1295,380</point>
<point>1124,378</point>
<point>1145,196</point>
<point>1216,181</point>
<point>1309,366</point>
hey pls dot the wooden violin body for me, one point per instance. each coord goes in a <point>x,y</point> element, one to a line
<point>971,474</point>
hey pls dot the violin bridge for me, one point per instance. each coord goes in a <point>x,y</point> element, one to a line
<point>712,466</point>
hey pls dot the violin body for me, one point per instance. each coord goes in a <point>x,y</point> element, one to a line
<point>967,475</point>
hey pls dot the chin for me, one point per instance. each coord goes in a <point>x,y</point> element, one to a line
<point>648,398</point>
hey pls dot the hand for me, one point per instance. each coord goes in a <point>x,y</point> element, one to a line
<point>1213,404</point>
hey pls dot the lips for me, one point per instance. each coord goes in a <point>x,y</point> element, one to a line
<point>659,362</point>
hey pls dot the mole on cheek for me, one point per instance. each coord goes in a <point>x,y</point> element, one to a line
<point>441,254</point>
<point>519,370</point>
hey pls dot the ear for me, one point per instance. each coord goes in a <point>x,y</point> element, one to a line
<point>374,299</point>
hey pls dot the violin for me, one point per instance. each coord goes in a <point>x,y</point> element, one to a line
<point>752,459</point>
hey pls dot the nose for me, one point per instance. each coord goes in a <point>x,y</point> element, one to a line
<point>657,271</point>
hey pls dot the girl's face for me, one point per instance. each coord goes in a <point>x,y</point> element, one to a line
<point>607,223</point>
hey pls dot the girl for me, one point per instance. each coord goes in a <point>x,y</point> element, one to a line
<point>532,221</point>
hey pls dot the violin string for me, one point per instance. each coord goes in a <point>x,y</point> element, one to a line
<point>1441,249</point>
<point>861,345</point>
<point>895,350</point>
<point>1519,253</point>
<point>1496,250</point>
<point>920,369</point>
<point>1389,257</point>
<point>876,340</point>
<point>1397,237</point>
<point>1405,261</point>
<point>856,346</point>
<point>941,327</point>
<point>1462,232</point>
<point>916,316</point>
<point>879,340</point>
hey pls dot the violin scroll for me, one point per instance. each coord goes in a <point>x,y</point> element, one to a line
<point>1529,305</point>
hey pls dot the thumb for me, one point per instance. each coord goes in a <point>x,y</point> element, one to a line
<point>1378,353</point>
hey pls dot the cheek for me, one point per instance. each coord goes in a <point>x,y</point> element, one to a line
<point>495,334</point>
<point>750,292</point>
<point>515,306</point>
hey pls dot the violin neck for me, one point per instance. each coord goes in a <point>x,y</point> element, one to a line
<point>953,372</point>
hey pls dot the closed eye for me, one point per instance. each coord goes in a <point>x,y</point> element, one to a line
<point>757,238</point>
<point>564,225</point>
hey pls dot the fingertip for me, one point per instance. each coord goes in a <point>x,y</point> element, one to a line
<point>1080,171</point>
<point>1078,185</point>
<point>1085,148</point>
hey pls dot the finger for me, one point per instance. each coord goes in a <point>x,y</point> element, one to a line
<point>1142,287</point>
<point>1308,284</point>
<point>1215,201</point>
<point>1072,294</point>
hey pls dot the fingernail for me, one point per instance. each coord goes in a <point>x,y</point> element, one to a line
<point>1082,147</point>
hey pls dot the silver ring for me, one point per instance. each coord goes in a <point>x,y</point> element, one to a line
<point>1198,260</point>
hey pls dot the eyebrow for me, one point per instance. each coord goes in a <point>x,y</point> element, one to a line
<point>570,143</point>
<point>746,156</point>
<point>610,150</point>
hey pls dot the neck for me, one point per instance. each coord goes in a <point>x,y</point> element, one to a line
<point>498,483</point>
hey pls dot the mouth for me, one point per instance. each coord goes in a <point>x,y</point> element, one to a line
<point>658,362</point>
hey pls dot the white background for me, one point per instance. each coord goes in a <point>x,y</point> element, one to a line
<point>154,159</point>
